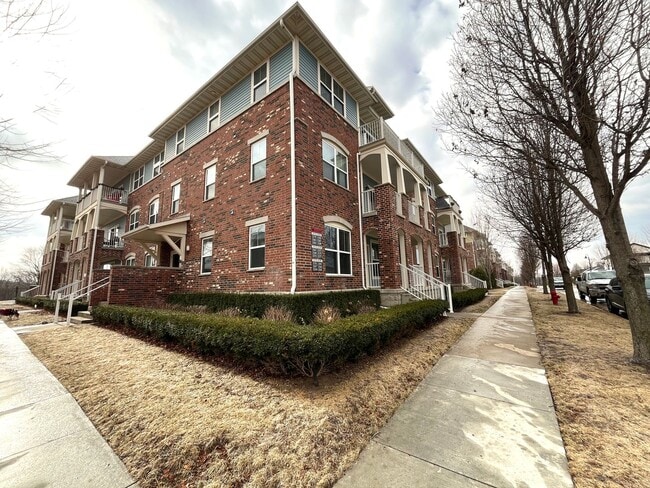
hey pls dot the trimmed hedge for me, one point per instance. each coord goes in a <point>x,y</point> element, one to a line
<point>467,297</point>
<point>50,305</point>
<point>291,347</point>
<point>303,306</point>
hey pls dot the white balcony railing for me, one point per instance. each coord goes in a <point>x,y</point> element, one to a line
<point>105,193</point>
<point>373,275</point>
<point>378,130</point>
<point>114,242</point>
<point>368,201</point>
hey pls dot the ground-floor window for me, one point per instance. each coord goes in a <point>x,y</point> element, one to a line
<point>206,255</point>
<point>257,246</point>
<point>338,254</point>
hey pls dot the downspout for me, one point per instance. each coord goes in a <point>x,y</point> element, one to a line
<point>362,248</point>
<point>292,129</point>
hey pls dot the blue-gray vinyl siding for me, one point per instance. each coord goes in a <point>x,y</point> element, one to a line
<point>280,67</point>
<point>236,100</point>
<point>170,148</point>
<point>196,129</point>
<point>351,109</point>
<point>308,68</point>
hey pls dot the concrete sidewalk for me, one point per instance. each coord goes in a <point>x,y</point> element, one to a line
<point>482,417</point>
<point>45,438</point>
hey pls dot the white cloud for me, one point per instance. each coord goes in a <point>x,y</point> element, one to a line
<point>126,65</point>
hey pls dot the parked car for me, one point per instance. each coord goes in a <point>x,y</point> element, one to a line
<point>614,295</point>
<point>592,284</point>
<point>558,282</point>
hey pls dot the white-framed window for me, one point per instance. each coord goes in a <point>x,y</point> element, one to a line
<point>210,182</point>
<point>258,160</point>
<point>256,246</point>
<point>157,163</point>
<point>331,91</point>
<point>134,219</point>
<point>206,255</point>
<point>180,140</point>
<point>338,253</point>
<point>260,82</point>
<point>335,164</point>
<point>150,261</point>
<point>213,115</point>
<point>176,198</point>
<point>130,260</point>
<point>154,211</point>
<point>138,178</point>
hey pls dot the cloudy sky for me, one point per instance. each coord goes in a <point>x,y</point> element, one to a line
<point>116,69</point>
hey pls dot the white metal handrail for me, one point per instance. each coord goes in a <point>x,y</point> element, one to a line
<point>86,290</point>
<point>474,282</point>
<point>65,290</point>
<point>499,283</point>
<point>30,293</point>
<point>423,286</point>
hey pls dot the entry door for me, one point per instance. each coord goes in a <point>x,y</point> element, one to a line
<point>372,255</point>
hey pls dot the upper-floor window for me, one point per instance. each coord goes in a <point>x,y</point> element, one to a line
<point>258,160</point>
<point>138,178</point>
<point>157,163</point>
<point>260,82</point>
<point>150,261</point>
<point>213,116</point>
<point>210,181</point>
<point>338,254</point>
<point>154,210</point>
<point>331,91</point>
<point>134,219</point>
<point>257,246</point>
<point>176,198</point>
<point>130,260</point>
<point>335,164</point>
<point>180,140</point>
<point>206,255</point>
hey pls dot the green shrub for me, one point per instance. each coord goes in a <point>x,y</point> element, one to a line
<point>50,305</point>
<point>480,273</point>
<point>288,346</point>
<point>467,297</point>
<point>302,306</point>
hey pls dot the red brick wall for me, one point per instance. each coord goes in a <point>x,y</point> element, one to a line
<point>387,224</point>
<point>316,196</point>
<point>237,200</point>
<point>100,295</point>
<point>142,287</point>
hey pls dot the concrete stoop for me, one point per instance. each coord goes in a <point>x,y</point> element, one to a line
<point>83,317</point>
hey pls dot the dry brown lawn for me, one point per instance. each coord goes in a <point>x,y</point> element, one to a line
<point>31,317</point>
<point>602,401</point>
<point>179,420</point>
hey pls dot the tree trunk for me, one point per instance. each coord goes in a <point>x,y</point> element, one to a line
<point>630,274</point>
<point>571,302</point>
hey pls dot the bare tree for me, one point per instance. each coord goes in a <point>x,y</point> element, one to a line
<point>21,19</point>
<point>583,66</point>
<point>529,258</point>
<point>28,270</point>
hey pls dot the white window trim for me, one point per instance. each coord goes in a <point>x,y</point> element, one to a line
<point>136,210</point>
<point>180,141</point>
<point>264,82</point>
<point>261,161</point>
<point>201,272</point>
<point>158,161</point>
<point>130,256</point>
<point>205,182</point>
<point>155,200</point>
<point>171,208</point>
<point>216,117</point>
<point>336,169</point>
<point>260,220</point>
<point>331,90</point>
<point>335,224</point>
<point>250,248</point>
<point>138,175</point>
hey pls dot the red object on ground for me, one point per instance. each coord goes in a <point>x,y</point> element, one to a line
<point>555,297</point>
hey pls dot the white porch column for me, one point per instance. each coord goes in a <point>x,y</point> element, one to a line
<point>385,167</point>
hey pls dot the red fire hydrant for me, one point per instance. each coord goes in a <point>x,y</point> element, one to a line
<point>555,297</point>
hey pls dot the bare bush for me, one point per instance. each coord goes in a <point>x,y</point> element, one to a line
<point>326,315</point>
<point>278,313</point>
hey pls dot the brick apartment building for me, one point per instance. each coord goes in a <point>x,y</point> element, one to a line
<point>280,175</point>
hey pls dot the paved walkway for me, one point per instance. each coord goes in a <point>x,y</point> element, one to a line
<point>45,438</point>
<point>482,417</point>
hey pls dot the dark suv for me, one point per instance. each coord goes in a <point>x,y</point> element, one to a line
<point>614,295</point>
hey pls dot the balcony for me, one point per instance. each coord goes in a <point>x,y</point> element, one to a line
<point>113,242</point>
<point>368,201</point>
<point>378,130</point>
<point>103,193</point>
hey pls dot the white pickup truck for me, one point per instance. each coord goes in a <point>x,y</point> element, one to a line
<point>592,284</point>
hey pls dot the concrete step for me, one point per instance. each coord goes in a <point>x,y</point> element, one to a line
<point>81,320</point>
<point>84,313</point>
